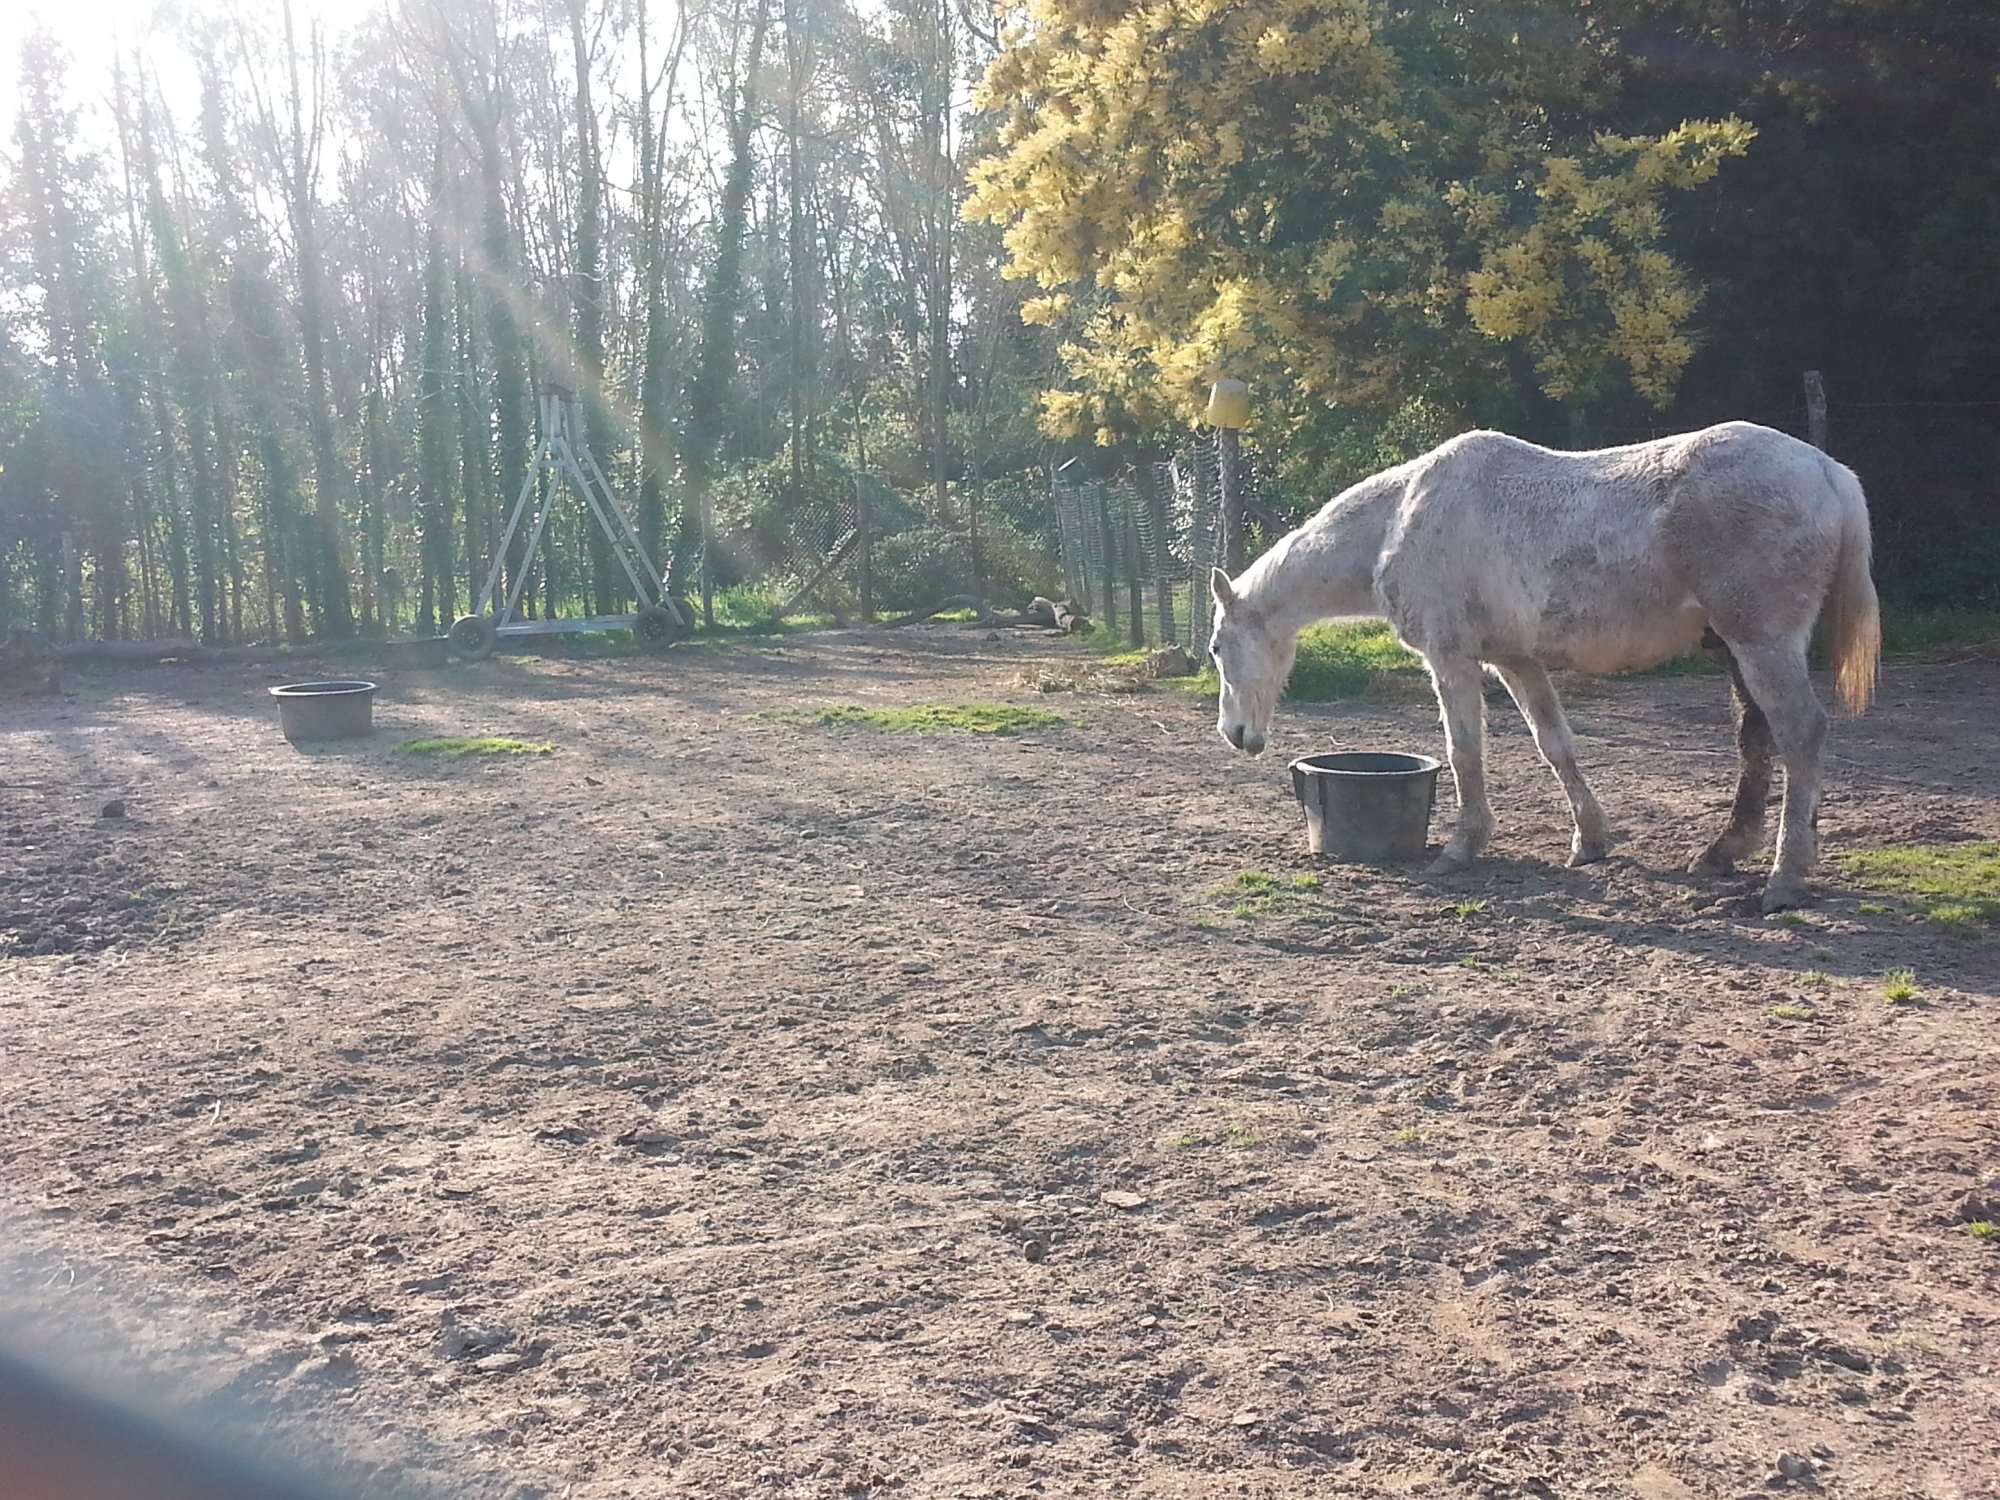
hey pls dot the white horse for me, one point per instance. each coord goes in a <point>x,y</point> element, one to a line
<point>1492,550</point>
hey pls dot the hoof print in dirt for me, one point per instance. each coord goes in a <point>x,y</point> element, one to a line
<point>460,1341</point>
<point>1793,1468</point>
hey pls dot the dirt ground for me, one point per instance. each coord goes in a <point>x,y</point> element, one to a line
<point>719,1106</point>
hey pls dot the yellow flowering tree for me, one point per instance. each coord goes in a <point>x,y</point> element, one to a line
<point>1346,203</point>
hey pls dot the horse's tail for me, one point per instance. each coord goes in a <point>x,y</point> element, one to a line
<point>1851,619</point>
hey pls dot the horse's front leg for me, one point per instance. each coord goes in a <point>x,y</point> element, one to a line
<point>1535,696</point>
<point>1463,707</point>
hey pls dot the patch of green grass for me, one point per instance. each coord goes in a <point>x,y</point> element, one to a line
<point>1466,909</point>
<point>1816,979</point>
<point>1409,1135</point>
<point>749,610</point>
<point>1953,886</point>
<point>1983,1229</point>
<point>1874,909</point>
<point>1257,894</point>
<point>458,749</point>
<point>1336,660</point>
<point>1899,986</point>
<point>1791,919</point>
<point>1241,1136</point>
<point>1793,1012</point>
<point>1344,659</point>
<point>925,718</point>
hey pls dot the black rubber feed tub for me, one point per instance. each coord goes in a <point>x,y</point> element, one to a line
<point>325,710</point>
<point>1369,807</point>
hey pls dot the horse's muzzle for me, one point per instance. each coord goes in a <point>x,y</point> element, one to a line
<point>1244,738</point>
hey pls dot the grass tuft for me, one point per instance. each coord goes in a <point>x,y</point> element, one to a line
<point>1793,1012</point>
<point>458,749</point>
<point>924,718</point>
<point>1983,1229</point>
<point>1253,893</point>
<point>1952,886</point>
<point>1899,986</point>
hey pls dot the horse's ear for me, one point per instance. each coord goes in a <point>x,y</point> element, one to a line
<point>1220,586</point>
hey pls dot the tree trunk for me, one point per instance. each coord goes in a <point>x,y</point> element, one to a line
<point>715,364</point>
<point>436,593</point>
<point>587,295</point>
<point>328,540</point>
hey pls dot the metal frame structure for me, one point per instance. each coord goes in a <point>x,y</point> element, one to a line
<point>564,459</point>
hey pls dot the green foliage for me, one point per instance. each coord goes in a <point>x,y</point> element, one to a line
<point>1790,1011</point>
<point>460,749</point>
<point>1899,986</point>
<point>925,718</point>
<point>1340,203</point>
<point>1953,886</point>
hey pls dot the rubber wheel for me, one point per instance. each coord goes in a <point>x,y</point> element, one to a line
<point>657,627</point>
<point>474,637</point>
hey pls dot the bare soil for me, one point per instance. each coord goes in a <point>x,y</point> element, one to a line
<point>719,1106</point>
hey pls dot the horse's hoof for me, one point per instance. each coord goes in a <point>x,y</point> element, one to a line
<point>1449,863</point>
<point>1719,858</point>
<point>1783,897</point>
<point>1589,854</point>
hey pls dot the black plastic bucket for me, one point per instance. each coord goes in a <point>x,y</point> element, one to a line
<point>325,710</point>
<point>1369,807</point>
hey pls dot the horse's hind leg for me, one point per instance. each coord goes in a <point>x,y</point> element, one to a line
<point>1536,697</point>
<point>1463,707</point>
<point>1753,783</point>
<point>1776,681</point>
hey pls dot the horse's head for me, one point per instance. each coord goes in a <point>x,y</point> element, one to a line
<point>1253,660</point>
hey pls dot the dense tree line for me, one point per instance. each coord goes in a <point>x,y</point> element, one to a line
<point>270,352</point>
<point>270,343</point>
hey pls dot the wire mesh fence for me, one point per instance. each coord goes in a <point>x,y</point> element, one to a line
<point>1138,547</point>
